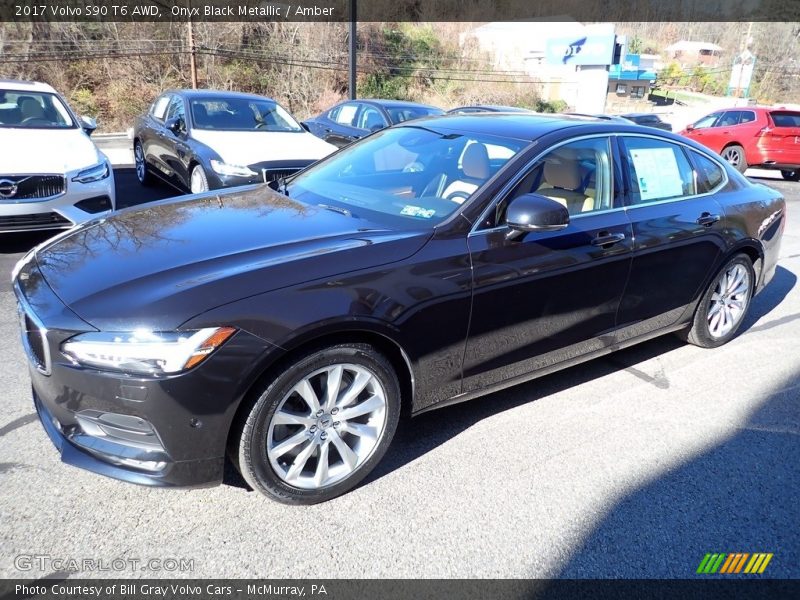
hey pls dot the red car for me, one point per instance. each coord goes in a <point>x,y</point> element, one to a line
<point>766,138</point>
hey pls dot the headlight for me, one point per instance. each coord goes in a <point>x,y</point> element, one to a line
<point>95,173</point>
<point>232,170</point>
<point>143,351</point>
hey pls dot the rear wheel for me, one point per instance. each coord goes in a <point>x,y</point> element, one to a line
<point>321,426</point>
<point>734,154</point>
<point>142,171</point>
<point>724,304</point>
<point>791,174</point>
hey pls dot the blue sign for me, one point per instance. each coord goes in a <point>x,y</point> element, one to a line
<point>630,70</point>
<point>580,50</point>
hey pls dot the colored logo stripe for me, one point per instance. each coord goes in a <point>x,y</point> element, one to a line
<point>734,562</point>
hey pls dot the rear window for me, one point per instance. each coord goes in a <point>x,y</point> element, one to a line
<point>785,118</point>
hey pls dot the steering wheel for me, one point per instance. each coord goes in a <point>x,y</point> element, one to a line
<point>458,197</point>
<point>36,121</point>
<point>414,167</point>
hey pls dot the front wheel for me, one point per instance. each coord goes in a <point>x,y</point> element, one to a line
<point>198,181</point>
<point>791,174</point>
<point>142,171</point>
<point>724,305</point>
<point>734,154</point>
<point>321,426</point>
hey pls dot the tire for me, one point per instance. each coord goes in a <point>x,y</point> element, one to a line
<point>198,182</point>
<point>285,438</point>
<point>712,326</point>
<point>791,174</point>
<point>734,154</point>
<point>143,174</point>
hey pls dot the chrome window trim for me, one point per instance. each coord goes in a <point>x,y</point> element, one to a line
<point>24,309</point>
<point>523,171</point>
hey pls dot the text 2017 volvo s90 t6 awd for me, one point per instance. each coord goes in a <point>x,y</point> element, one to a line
<point>428,264</point>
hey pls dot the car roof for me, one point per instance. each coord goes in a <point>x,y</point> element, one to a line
<point>19,85</point>
<point>189,94</point>
<point>640,114</point>
<point>492,108</point>
<point>520,126</point>
<point>394,103</point>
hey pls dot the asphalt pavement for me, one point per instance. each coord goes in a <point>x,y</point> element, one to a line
<point>632,465</point>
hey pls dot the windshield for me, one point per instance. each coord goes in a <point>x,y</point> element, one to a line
<point>241,114</point>
<point>405,176</point>
<point>33,110</point>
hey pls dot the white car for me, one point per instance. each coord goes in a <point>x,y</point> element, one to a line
<point>52,176</point>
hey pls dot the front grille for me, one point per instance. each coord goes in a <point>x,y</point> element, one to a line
<point>272,170</point>
<point>34,340</point>
<point>30,187</point>
<point>273,174</point>
<point>49,220</point>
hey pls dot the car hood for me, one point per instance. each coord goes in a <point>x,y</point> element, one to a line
<point>45,150</point>
<point>158,266</point>
<point>251,147</point>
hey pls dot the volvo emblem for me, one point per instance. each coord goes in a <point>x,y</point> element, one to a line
<point>8,188</point>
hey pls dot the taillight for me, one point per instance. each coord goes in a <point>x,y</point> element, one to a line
<point>764,131</point>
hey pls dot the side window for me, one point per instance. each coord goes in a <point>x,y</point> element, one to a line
<point>346,114</point>
<point>729,118</point>
<point>748,116</point>
<point>370,118</point>
<point>176,108</point>
<point>577,175</point>
<point>159,109</point>
<point>658,170</point>
<point>707,121</point>
<point>709,173</point>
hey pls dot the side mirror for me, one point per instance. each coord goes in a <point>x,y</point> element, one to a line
<point>532,212</point>
<point>690,128</point>
<point>88,124</point>
<point>175,125</point>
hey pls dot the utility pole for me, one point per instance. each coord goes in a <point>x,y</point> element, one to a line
<point>352,54</point>
<point>192,47</point>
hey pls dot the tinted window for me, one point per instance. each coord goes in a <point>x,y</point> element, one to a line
<point>785,118</point>
<point>658,170</point>
<point>747,116</point>
<point>709,173</point>
<point>176,108</point>
<point>399,114</point>
<point>576,175</point>
<point>371,118</point>
<point>707,121</point>
<point>730,118</point>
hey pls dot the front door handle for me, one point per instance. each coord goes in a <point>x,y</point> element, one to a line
<point>606,239</point>
<point>707,219</point>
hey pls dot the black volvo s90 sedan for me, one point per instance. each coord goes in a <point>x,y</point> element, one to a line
<point>429,264</point>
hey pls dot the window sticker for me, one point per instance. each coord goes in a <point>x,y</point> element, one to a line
<point>416,211</point>
<point>657,173</point>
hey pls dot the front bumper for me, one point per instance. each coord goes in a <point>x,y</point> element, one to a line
<point>168,431</point>
<point>78,203</point>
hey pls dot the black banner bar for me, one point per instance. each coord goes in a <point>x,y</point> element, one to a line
<point>397,10</point>
<point>735,588</point>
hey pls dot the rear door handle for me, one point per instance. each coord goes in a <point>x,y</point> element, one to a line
<point>707,219</point>
<point>607,239</point>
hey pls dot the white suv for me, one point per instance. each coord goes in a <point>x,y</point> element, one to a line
<point>52,176</point>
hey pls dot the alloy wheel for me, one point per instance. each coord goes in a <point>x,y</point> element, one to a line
<point>327,426</point>
<point>198,182</point>
<point>138,157</point>
<point>729,301</point>
<point>732,156</point>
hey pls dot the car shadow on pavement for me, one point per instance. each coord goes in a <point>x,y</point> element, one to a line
<point>428,431</point>
<point>741,495</point>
